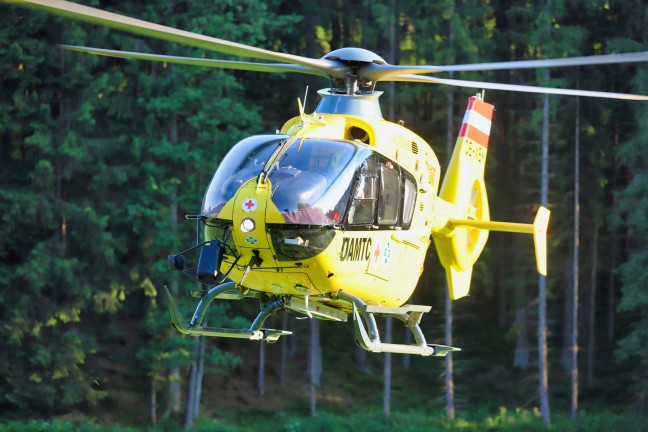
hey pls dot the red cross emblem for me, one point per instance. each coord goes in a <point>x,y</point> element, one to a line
<point>249,205</point>
<point>377,252</point>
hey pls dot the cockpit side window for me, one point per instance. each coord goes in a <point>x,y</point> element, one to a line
<point>384,196</point>
<point>409,199</point>
<point>390,193</point>
<point>365,195</point>
<point>244,161</point>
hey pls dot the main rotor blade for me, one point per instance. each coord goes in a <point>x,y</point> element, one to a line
<point>376,72</point>
<point>550,63</point>
<point>223,64</point>
<point>513,87</point>
<point>144,28</point>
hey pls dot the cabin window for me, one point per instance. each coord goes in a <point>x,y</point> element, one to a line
<point>365,195</point>
<point>390,194</point>
<point>409,199</point>
<point>384,196</point>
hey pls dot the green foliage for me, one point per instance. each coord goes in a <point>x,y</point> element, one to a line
<point>412,421</point>
<point>54,235</point>
<point>102,157</point>
<point>63,426</point>
<point>632,208</point>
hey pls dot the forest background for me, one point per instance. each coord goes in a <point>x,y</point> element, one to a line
<point>102,158</point>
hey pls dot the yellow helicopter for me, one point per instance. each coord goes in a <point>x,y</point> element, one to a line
<point>333,215</point>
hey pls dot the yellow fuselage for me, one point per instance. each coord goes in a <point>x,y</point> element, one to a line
<point>380,266</point>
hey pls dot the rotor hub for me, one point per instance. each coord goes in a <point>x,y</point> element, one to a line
<point>352,54</point>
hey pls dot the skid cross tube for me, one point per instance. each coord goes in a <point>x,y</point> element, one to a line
<point>410,315</point>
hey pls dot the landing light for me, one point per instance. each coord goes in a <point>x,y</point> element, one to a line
<point>247,225</point>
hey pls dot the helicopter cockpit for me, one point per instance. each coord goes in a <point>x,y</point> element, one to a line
<point>310,178</point>
<point>318,182</point>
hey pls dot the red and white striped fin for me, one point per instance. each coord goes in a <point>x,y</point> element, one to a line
<point>476,123</point>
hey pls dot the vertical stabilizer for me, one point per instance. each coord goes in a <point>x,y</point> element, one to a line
<point>463,222</point>
<point>464,190</point>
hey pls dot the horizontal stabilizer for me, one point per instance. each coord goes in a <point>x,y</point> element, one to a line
<point>538,229</point>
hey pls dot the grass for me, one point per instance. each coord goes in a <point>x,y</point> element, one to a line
<point>414,421</point>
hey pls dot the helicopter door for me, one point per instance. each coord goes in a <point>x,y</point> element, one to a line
<point>365,197</point>
<point>384,196</point>
<point>390,191</point>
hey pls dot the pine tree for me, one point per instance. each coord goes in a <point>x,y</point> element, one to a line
<point>60,237</point>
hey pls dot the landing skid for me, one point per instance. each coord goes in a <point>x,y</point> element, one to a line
<point>225,291</point>
<point>410,315</point>
<point>366,337</point>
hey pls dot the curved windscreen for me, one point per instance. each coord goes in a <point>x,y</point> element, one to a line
<point>311,181</point>
<point>244,161</point>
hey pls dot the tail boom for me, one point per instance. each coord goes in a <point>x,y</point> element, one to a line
<point>462,221</point>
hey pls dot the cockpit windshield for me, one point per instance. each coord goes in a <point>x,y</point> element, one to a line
<point>311,178</point>
<point>311,181</point>
<point>244,161</point>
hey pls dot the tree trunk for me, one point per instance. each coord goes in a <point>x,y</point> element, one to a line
<point>576,269</point>
<point>591,337</point>
<point>191,391</point>
<point>388,370</point>
<point>522,345</point>
<point>392,117</point>
<point>293,344</point>
<point>200,375</point>
<point>194,390</point>
<point>174,406</point>
<point>315,364</point>
<point>153,402</point>
<point>261,369</point>
<point>365,23</point>
<point>449,365</point>
<point>543,368</point>
<point>501,296</point>
<point>565,349</point>
<point>393,47</point>
<point>611,289</point>
<point>284,352</point>
<point>520,325</point>
<point>406,357</point>
<point>336,30</point>
<point>361,359</point>
<point>59,163</point>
